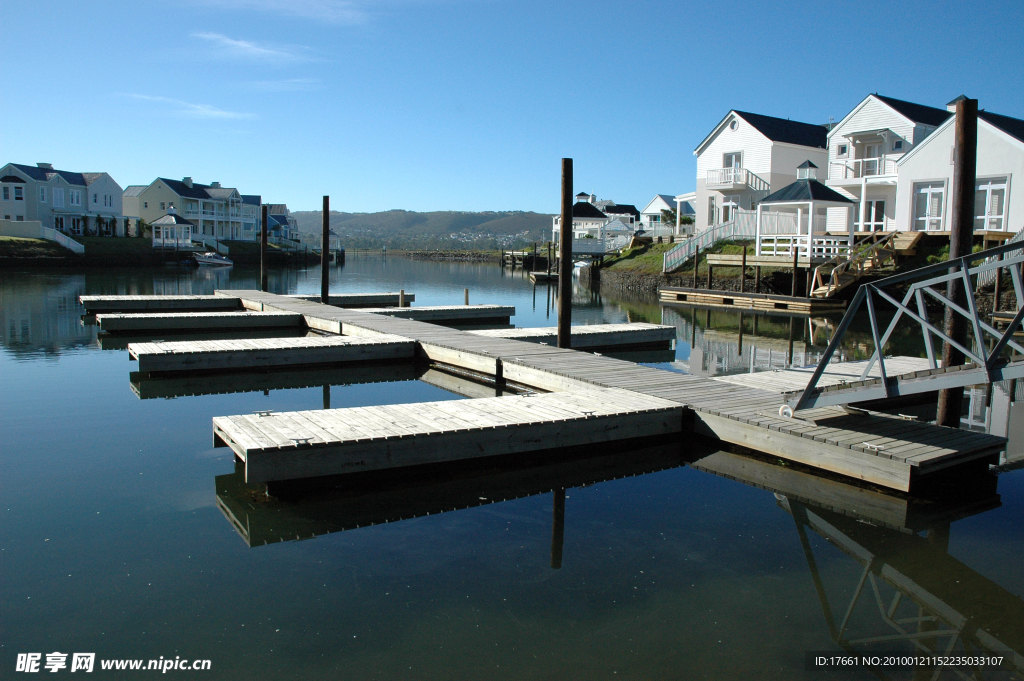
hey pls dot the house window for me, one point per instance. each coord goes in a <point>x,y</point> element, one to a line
<point>897,145</point>
<point>874,217</point>
<point>19,193</point>
<point>990,204</point>
<point>928,201</point>
<point>76,225</point>
<point>843,150</point>
<point>145,204</point>
<point>711,210</point>
<point>95,198</point>
<point>734,160</point>
<point>729,206</point>
<point>733,124</point>
<point>58,223</point>
<point>7,193</point>
<point>7,217</point>
<point>42,195</point>
<point>162,206</point>
<point>58,197</point>
<point>76,197</point>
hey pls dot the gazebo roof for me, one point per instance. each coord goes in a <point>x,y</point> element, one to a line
<point>804,191</point>
<point>172,219</point>
<point>807,164</point>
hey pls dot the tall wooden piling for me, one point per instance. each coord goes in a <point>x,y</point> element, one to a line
<point>565,259</point>
<point>961,238</point>
<point>557,527</point>
<point>466,296</point>
<point>796,259</point>
<point>696,265</point>
<point>743,273</point>
<point>263,249</point>
<point>325,251</point>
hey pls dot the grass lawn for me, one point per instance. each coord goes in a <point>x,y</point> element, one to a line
<point>110,246</point>
<point>642,260</point>
<point>19,247</point>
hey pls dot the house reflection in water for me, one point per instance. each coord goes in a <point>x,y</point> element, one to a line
<point>39,315</point>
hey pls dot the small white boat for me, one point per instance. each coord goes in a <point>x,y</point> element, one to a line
<point>212,259</point>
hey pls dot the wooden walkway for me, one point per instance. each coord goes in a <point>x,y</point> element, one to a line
<point>194,321</point>
<point>267,352</point>
<point>290,445</point>
<point>877,448</point>
<point>837,373</point>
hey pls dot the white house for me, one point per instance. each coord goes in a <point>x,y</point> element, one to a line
<point>864,149</point>
<point>587,219</point>
<point>746,157</point>
<point>67,201</point>
<point>925,175</point>
<point>650,216</point>
<point>215,210</point>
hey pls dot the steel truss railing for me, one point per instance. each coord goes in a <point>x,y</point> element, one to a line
<point>928,277</point>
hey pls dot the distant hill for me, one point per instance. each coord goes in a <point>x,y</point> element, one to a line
<point>403,229</point>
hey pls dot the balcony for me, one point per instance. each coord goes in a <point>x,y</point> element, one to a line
<point>734,179</point>
<point>881,167</point>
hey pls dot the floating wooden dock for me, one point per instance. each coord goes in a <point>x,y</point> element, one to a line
<point>291,445</point>
<point>224,302</point>
<point>193,321</point>
<point>536,277</point>
<point>759,302</point>
<point>267,352</point>
<point>878,448</point>
<point>838,373</point>
<point>469,315</point>
<point>595,336</point>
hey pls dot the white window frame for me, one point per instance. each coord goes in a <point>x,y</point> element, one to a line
<point>737,154</point>
<point>57,195</point>
<point>42,194</point>
<point>18,189</point>
<point>932,187</point>
<point>988,184</point>
<point>76,197</point>
<point>7,194</point>
<point>897,145</point>
<point>843,150</point>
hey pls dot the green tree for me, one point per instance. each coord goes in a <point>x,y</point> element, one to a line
<point>668,217</point>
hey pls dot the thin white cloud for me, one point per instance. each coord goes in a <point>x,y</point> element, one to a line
<point>191,110</point>
<point>287,85</point>
<point>250,51</point>
<point>328,11</point>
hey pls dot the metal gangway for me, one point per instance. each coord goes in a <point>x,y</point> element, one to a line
<point>992,354</point>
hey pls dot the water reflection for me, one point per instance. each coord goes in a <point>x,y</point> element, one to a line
<point>40,314</point>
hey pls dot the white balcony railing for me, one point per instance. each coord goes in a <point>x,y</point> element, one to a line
<point>858,168</point>
<point>735,177</point>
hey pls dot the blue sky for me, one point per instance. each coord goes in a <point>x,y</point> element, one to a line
<point>463,104</point>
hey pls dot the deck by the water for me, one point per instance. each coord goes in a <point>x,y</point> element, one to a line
<point>633,335</point>
<point>193,321</point>
<point>759,302</point>
<point>877,448</point>
<point>95,304</point>
<point>284,446</point>
<point>837,373</point>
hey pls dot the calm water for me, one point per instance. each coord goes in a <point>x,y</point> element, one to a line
<point>126,534</point>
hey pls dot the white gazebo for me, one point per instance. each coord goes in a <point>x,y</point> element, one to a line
<point>172,231</point>
<point>798,216</point>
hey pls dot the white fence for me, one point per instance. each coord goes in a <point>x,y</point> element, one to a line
<point>33,229</point>
<point>744,226</point>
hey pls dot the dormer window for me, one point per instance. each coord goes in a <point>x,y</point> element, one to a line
<point>897,145</point>
<point>843,150</point>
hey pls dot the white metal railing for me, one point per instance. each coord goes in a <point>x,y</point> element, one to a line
<point>589,246</point>
<point>743,226</point>
<point>857,168</point>
<point>734,176</point>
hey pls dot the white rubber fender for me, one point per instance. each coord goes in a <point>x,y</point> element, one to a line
<point>786,412</point>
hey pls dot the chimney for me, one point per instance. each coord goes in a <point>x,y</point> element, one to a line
<point>45,166</point>
<point>215,184</point>
<point>187,181</point>
<point>952,105</point>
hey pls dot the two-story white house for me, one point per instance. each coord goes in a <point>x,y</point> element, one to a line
<point>215,210</point>
<point>252,217</point>
<point>587,219</point>
<point>73,203</point>
<point>746,157</point>
<point>864,149</point>
<point>925,176</point>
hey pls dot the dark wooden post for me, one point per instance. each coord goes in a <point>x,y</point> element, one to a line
<point>961,238</point>
<point>696,264</point>
<point>807,287</point>
<point>325,252</point>
<point>743,272</point>
<point>557,528</point>
<point>796,256</point>
<point>327,395</point>
<point>996,289</point>
<point>739,351</point>
<point>466,296</point>
<point>757,278</point>
<point>263,251</point>
<point>708,285</point>
<point>565,259</point>
<point>549,258</point>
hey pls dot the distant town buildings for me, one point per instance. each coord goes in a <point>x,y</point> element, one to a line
<point>71,202</point>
